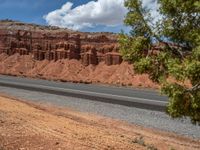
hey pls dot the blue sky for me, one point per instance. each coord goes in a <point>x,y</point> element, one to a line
<point>33,11</point>
<point>83,15</point>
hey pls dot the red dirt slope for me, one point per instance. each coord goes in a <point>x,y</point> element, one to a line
<point>73,71</point>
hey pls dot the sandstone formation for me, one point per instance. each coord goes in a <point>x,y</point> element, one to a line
<point>61,54</point>
<point>45,44</point>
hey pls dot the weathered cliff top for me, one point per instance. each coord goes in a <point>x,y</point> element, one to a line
<point>17,25</point>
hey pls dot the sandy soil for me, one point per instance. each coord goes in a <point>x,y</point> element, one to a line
<point>73,71</point>
<point>32,126</point>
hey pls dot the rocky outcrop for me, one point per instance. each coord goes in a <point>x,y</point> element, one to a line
<point>57,44</point>
<point>89,55</point>
<point>60,54</point>
<point>113,58</point>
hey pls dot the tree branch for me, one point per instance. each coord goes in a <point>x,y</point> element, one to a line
<point>194,88</point>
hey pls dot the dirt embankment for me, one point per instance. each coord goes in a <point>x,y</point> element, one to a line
<point>30,126</point>
<point>73,71</point>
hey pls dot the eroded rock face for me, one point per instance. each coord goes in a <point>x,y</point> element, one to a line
<point>60,54</point>
<point>89,48</point>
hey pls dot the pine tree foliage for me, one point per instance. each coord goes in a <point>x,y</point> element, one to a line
<point>178,59</point>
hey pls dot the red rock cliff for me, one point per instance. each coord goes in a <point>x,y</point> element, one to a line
<point>60,54</point>
<point>52,43</point>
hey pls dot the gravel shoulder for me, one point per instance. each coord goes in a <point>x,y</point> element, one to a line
<point>141,117</point>
<point>27,125</point>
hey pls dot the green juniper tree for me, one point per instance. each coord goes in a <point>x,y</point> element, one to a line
<point>178,59</point>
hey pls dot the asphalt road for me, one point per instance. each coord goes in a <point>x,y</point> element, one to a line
<point>132,97</point>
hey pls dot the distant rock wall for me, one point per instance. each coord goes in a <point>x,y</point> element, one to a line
<point>88,48</point>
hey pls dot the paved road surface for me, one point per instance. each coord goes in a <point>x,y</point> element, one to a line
<point>132,97</point>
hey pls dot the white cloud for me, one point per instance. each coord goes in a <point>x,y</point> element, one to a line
<point>100,12</point>
<point>153,6</point>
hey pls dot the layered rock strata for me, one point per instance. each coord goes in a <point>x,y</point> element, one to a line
<point>61,54</point>
<point>45,44</point>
